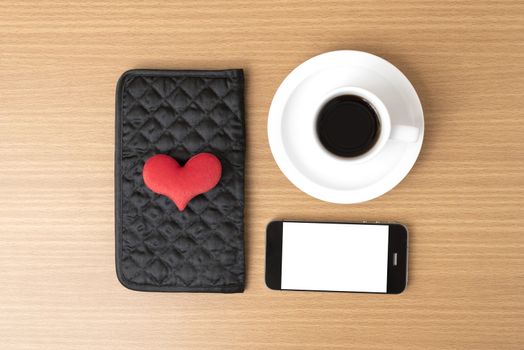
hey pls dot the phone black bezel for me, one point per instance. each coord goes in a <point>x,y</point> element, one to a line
<point>274,255</point>
<point>397,243</point>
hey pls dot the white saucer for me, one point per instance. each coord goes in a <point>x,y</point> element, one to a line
<point>293,140</point>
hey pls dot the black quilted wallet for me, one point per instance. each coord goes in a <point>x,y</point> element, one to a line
<point>180,113</point>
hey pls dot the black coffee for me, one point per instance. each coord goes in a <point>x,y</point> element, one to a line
<point>348,126</point>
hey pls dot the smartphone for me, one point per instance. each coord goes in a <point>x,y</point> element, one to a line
<point>339,257</point>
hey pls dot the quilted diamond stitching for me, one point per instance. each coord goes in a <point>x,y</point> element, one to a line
<point>202,247</point>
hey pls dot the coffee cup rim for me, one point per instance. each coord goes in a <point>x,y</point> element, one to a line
<point>380,110</point>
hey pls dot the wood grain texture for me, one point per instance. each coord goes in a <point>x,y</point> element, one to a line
<point>463,201</point>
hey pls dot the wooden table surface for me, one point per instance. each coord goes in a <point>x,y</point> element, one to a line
<point>463,200</point>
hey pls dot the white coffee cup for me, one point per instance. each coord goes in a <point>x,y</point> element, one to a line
<point>389,129</point>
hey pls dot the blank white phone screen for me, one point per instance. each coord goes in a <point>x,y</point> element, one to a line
<point>335,257</point>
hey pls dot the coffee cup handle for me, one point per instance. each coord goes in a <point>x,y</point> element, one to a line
<point>404,133</point>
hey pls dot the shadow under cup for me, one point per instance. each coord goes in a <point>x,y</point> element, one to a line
<point>348,126</point>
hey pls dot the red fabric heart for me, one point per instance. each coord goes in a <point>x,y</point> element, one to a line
<point>163,175</point>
